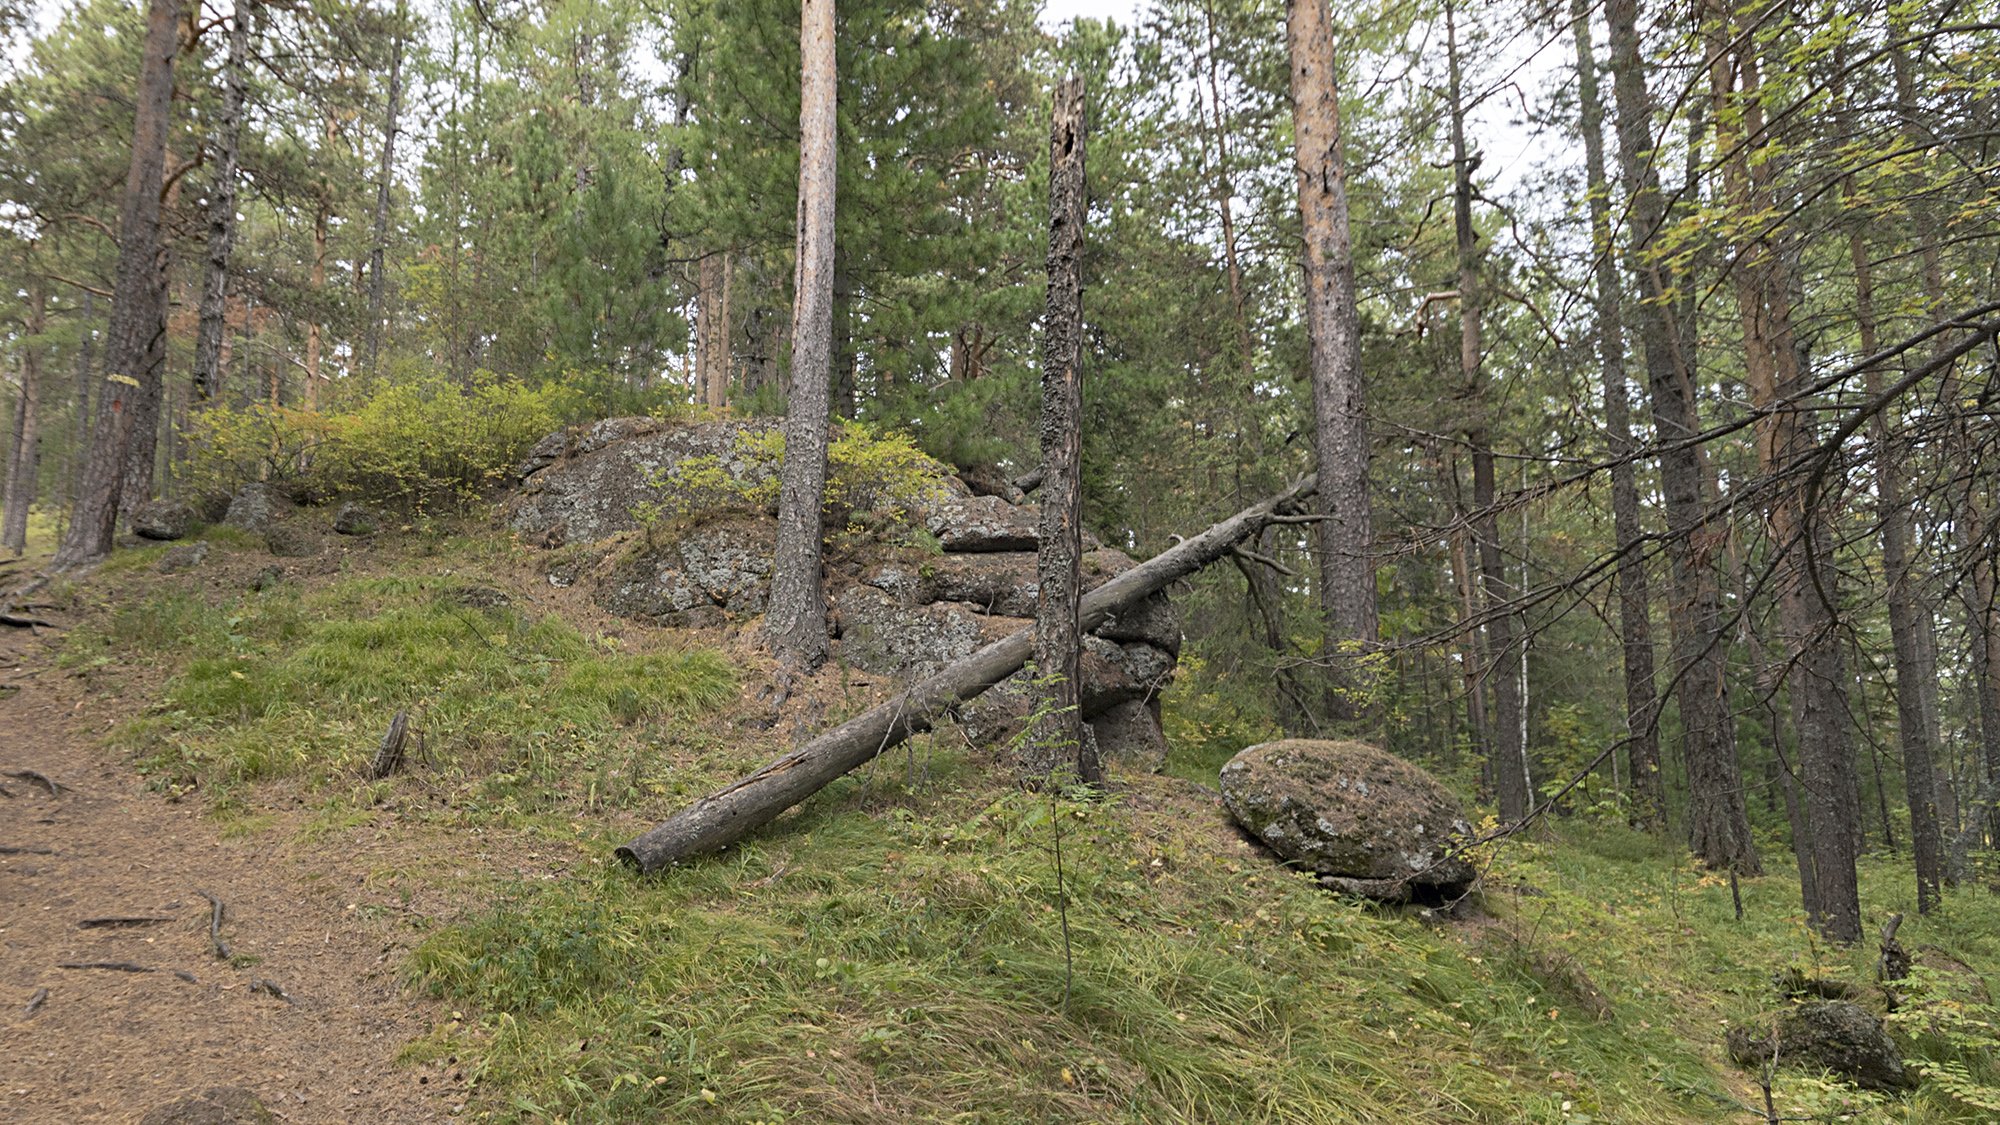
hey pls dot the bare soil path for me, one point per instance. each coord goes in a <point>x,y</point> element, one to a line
<point>105,1045</point>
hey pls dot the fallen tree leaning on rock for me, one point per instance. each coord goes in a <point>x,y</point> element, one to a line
<point>732,812</point>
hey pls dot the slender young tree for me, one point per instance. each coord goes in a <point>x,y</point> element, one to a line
<point>1635,627</point>
<point>379,245</point>
<point>24,451</point>
<point>796,622</point>
<point>135,351</point>
<point>1058,725</point>
<point>1508,757</point>
<point>222,209</point>
<point>1333,329</point>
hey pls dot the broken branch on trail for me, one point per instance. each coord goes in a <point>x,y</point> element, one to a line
<point>389,756</point>
<point>215,925</point>
<point>732,812</point>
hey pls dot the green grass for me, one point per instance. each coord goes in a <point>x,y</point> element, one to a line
<point>292,684</point>
<point>895,949</point>
<point>909,966</point>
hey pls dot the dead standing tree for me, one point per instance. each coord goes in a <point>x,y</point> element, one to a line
<point>1058,725</point>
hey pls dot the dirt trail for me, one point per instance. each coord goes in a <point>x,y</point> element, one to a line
<point>107,1045</point>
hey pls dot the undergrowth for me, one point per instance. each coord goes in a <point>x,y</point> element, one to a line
<point>300,684</point>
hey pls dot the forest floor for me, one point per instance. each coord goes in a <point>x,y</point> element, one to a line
<point>457,941</point>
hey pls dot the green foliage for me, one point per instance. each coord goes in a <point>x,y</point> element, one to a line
<point>424,443</point>
<point>882,474</point>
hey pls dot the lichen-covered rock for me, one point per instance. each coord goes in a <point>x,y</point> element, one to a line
<point>1350,811</point>
<point>256,507</point>
<point>223,1105</point>
<point>178,559</point>
<point>290,539</point>
<point>724,568</point>
<point>356,519</point>
<point>965,523</point>
<point>1834,1035</point>
<point>883,634</point>
<point>163,519</point>
<point>578,487</point>
<point>1129,735</point>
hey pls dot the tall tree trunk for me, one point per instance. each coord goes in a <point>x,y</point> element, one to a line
<point>385,176</point>
<point>208,344</point>
<point>80,397</point>
<point>315,332</point>
<point>796,621</point>
<point>844,358</point>
<point>1635,628</point>
<point>1800,535</point>
<point>712,331</point>
<point>1916,724</point>
<point>1473,657</point>
<point>136,347</point>
<point>25,454</point>
<point>1718,822</point>
<point>1333,328</point>
<point>1511,788</point>
<point>1058,727</point>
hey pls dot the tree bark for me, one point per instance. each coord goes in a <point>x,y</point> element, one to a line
<point>1816,676</point>
<point>1916,725</point>
<point>734,811</point>
<point>136,347</point>
<point>385,176</point>
<point>25,455</point>
<point>712,328</point>
<point>80,397</point>
<point>1718,822</point>
<point>1057,730</point>
<point>795,624</point>
<point>1509,754</point>
<point>1333,328</point>
<point>222,211</point>
<point>1635,628</point>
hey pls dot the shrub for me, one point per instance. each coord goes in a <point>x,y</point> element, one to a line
<point>427,442</point>
<point>885,474</point>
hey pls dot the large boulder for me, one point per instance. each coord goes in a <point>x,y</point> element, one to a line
<point>1366,821</point>
<point>579,486</point>
<point>702,577</point>
<point>257,507</point>
<point>1835,1035</point>
<point>163,519</point>
<point>356,519</point>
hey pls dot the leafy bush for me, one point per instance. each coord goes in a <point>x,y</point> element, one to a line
<point>885,474</point>
<point>431,441</point>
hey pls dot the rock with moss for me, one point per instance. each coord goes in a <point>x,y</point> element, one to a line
<point>163,520</point>
<point>1833,1035</point>
<point>257,507</point>
<point>1373,823</point>
<point>356,519</point>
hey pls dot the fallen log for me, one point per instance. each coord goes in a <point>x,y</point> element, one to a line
<point>728,814</point>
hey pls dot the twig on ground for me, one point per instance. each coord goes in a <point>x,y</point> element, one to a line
<point>36,1001</point>
<point>119,923</point>
<point>12,849</point>
<point>114,966</point>
<point>36,777</point>
<point>271,986</point>
<point>215,925</point>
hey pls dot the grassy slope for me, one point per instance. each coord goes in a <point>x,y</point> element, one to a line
<point>896,950</point>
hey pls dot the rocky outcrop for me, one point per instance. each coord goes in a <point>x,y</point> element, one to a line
<point>1834,1035</point>
<point>257,507</point>
<point>898,609</point>
<point>1368,822</point>
<point>163,519</point>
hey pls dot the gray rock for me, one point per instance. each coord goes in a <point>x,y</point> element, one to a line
<point>356,519</point>
<point>256,507</point>
<point>611,471</point>
<point>726,568</point>
<point>178,559</point>
<point>266,578</point>
<point>1834,1035</point>
<point>1129,736</point>
<point>1350,811</point>
<point>881,634</point>
<point>223,1105</point>
<point>981,523</point>
<point>1109,673</point>
<point>289,540</point>
<point>163,519</point>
